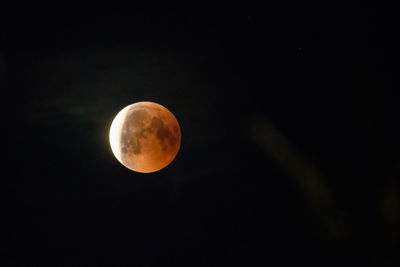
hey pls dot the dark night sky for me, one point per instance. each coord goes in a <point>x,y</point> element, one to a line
<point>289,137</point>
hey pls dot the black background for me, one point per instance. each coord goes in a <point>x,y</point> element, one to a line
<point>321,190</point>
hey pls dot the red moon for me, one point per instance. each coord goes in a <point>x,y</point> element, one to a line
<point>145,137</point>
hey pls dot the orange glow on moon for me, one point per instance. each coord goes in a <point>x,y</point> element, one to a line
<point>145,137</point>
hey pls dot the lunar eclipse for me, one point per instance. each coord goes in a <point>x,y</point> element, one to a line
<point>145,137</point>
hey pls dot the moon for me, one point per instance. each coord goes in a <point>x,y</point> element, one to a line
<point>145,137</point>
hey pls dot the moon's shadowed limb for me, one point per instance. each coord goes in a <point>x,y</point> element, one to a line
<point>149,137</point>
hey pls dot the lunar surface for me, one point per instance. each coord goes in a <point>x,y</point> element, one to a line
<point>145,137</point>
